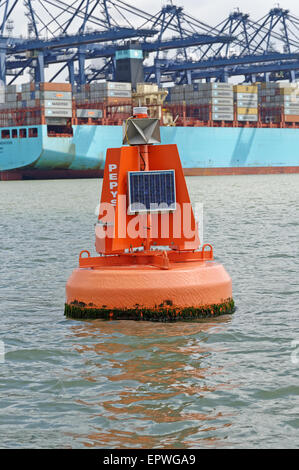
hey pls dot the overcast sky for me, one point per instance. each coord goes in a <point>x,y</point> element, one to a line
<point>213,11</point>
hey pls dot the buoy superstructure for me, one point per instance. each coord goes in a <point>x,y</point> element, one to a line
<point>150,265</point>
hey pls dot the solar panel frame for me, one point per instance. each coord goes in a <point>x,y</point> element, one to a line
<point>150,190</point>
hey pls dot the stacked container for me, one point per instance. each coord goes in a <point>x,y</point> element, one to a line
<point>9,103</point>
<point>56,101</point>
<point>184,93</point>
<point>82,96</point>
<point>270,108</point>
<point>28,96</point>
<point>219,98</point>
<point>246,101</point>
<point>52,103</point>
<point>280,99</point>
<point>177,94</point>
<point>110,92</point>
<point>287,97</point>
<point>2,94</point>
<point>12,99</point>
<point>89,113</point>
<point>191,94</point>
<point>8,97</point>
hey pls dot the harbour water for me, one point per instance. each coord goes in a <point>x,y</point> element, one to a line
<point>230,382</point>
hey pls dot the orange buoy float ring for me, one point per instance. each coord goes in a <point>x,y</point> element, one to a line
<point>187,290</point>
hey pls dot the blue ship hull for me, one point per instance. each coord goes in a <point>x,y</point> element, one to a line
<point>203,150</point>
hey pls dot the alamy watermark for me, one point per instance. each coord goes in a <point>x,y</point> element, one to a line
<point>155,221</point>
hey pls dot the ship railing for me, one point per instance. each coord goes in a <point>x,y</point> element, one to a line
<point>10,117</point>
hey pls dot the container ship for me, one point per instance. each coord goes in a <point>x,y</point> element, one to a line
<point>51,130</point>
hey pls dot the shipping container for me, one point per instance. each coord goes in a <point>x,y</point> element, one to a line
<point>221,93</point>
<point>246,96</point>
<point>56,121</point>
<point>222,117</point>
<point>291,118</point>
<point>89,113</point>
<point>214,86</point>
<point>219,101</point>
<point>122,86</point>
<point>246,104</point>
<point>67,104</point>
<point>247,110</point>
<point>291,105</point>
<point>52,87</point>
<point>222,109</point>
<point>118,94</point>
<point>57,112</point>
<point>287,99</point>
<point>215,101</point>
<point>292,111</point>
<point>11,89</point>
<point>246,89</point>
<point>110,93</point>
<point>55,95</point>
<point>288,91</point>
<point>247,117</point>
<point>10,97</point>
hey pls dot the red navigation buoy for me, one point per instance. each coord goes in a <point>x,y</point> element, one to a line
<point>150,266</point>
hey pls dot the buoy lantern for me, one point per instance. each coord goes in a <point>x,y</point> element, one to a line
<point>150,266</point>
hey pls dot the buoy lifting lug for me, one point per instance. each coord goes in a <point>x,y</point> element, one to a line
<point>84,251</point>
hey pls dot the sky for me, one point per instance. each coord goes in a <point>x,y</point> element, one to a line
<point>211,12</point>
<point>214,11</point>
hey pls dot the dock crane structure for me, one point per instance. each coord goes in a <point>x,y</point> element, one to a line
<point>69,35</point>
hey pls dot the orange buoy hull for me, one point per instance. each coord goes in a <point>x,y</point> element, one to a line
<point>187,291</point>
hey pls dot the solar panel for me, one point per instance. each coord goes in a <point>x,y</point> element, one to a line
<point>151,191</point>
